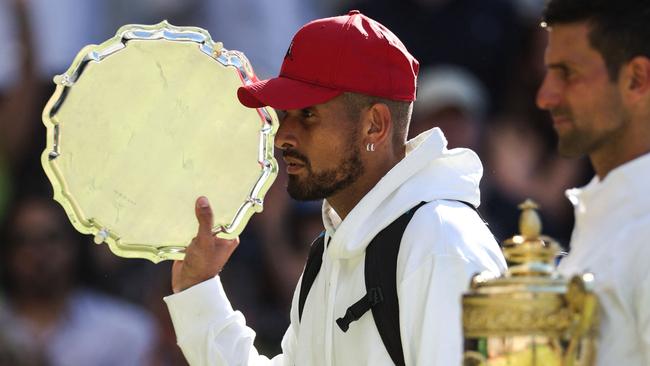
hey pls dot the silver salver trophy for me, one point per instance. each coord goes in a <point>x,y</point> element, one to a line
<point>144,123</point>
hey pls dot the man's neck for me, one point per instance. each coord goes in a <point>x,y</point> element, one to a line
<point>344,201</point>
<point>627,147</point>
<point>604,163</point>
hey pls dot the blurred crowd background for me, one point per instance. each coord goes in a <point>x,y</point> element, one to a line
<point>67,301</point>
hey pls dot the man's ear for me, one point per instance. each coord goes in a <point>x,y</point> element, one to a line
<point>635,77</point>
<point>378,125</point>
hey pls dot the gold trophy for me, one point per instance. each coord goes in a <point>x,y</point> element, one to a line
<point>143,124</point>
<point>530,315</point>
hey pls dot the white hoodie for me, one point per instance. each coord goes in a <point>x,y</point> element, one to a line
<point>443,246</point>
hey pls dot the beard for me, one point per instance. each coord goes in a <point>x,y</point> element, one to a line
<point>571,143</point>
<point>579,140</point>
<point>590,130</point>
<point>320,185</point>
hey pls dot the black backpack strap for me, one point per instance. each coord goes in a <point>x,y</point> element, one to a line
<point>312,268</point>
<point>381,285</point>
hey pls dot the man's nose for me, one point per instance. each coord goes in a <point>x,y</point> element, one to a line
<point>285,137</point>
<point>549,94</point>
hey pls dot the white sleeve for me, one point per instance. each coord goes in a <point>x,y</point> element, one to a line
<point>210,332</point>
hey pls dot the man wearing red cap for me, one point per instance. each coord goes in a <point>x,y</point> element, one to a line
<point>345,95</point>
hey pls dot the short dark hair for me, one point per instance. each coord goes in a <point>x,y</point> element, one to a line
<point>620,29</point>
<point>400,112</point>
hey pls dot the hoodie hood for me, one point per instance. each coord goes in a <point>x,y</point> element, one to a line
<point>428,172</point>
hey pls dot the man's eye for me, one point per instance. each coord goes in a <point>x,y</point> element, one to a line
<point>306,113</point>
<point>565,73</point>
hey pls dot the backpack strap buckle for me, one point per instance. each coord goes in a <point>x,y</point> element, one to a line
<point>356,311</point>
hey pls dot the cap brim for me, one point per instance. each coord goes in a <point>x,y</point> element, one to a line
<point>284,93</point>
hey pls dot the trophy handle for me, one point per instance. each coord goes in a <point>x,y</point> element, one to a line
<point>583,305</point>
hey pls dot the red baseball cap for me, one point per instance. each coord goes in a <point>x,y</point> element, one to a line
<point>330,56</point>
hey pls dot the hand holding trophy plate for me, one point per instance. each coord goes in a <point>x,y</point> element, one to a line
<point>146,122</point>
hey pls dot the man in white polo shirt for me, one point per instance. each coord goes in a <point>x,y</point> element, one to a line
<point>597,89</point>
